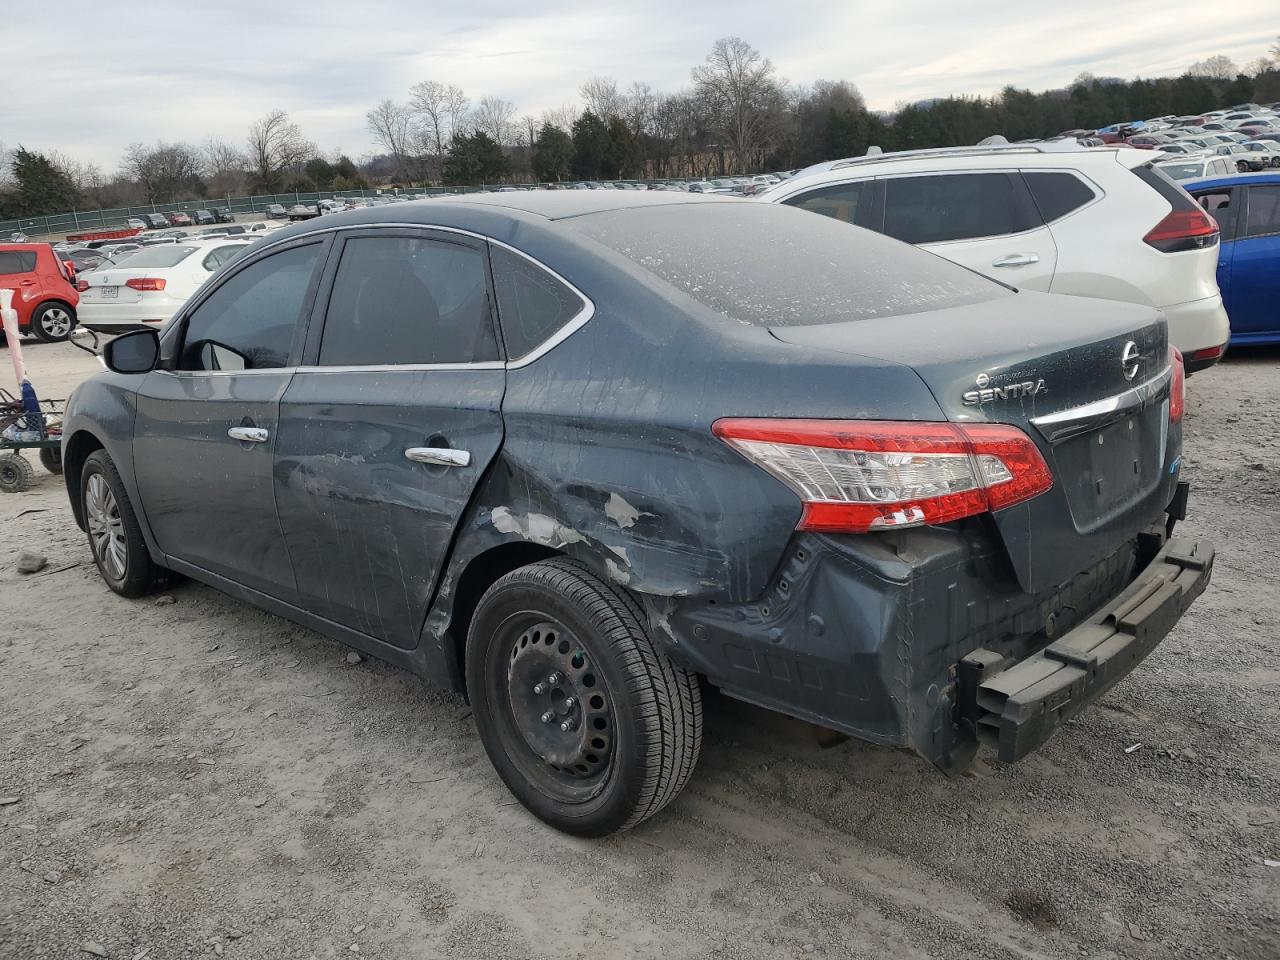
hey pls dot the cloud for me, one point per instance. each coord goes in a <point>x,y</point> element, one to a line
<point>155,70</point>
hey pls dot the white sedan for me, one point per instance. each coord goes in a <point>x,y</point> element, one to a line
<point>148,287</point>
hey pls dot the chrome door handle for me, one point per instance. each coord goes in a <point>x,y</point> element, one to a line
<point>1016,260</point>
<point>248,434</point>
<point>440,456</point>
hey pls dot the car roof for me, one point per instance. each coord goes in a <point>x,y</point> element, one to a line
<point>1231,180</point>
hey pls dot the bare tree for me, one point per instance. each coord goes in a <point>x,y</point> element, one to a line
<point>563,117</point>
<point>739,84</point>
<point>457,108</point>
<point>224,167</point>
<point>276,145</point>
<point>391,124</point>
<point>494,117</point>
<point>600,94</point>
<point>6,167</point>
<point>1260,65</point>
<point>166,171</point>
<point>1214,68</point>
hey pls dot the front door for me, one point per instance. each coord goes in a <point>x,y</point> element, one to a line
<point>205,432</point>
<point>387,429</point>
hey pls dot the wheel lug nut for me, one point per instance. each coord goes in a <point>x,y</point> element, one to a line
<point>554,679</point>
<point>570,702</point>
<point>566,726</point>
<point>539,687</point>
<point>548,717</point>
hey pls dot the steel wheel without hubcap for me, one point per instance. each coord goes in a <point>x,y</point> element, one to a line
<point>106,532</point>
<point>560,706</point>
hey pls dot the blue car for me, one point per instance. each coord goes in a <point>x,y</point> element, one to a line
<point>1247,208</point>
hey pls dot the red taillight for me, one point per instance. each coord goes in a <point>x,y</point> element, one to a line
<point>1177,386</point>
<point>1183,230</point>
<point>854,476</point>
<point>82,285</point>
<point>145,283</point>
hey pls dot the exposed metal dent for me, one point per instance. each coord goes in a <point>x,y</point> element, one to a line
<point>622,513</point>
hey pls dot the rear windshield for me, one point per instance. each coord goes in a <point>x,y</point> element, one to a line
<point>774,266</point>
<point>160,255</point>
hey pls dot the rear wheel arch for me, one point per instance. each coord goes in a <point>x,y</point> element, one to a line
<point>76,450</point>
<point>480,573</point>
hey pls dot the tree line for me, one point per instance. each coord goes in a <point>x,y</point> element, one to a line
<point>736,116</point>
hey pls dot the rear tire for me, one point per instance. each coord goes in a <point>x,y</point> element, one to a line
<point>15,473</point>
<point>589,725</point>
<point>115,537</point>
<point>52,459</point>
<point>53,322</point>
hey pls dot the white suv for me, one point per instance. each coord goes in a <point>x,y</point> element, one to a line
<point>1054,216</point>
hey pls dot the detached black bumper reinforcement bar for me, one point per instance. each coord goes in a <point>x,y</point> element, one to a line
<point>1018,707</point>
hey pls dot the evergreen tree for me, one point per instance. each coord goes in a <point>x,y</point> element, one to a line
<point>552,154</point>
<point>42,187</point>
<point>590,146</point>
<point>475,159</point>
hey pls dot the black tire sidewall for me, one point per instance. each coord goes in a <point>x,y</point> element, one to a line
<point>621,791</point>
<point>51,459</point>
<point>138,567</point>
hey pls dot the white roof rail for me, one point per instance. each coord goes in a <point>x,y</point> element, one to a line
<point>1065,145</point>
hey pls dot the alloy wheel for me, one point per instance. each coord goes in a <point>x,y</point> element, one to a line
<point>105,528</point>
<point>56,323</point>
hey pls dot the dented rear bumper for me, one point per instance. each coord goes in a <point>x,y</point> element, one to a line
<point>1014,706</point>
<point>923,640</point>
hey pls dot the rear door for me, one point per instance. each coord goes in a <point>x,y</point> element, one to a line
<point>986,221</point>
<point>18,273</point>
<point>388,426</point>
<point>1255,265</point>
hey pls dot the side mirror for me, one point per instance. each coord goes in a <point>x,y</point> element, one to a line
<point>136,352</point>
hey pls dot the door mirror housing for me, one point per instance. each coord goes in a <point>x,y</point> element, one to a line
<point>136,352</point>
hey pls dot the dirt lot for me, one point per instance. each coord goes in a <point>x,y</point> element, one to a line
<point>186,776</point>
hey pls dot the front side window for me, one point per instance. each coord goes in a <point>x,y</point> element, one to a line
<point>1263,218</point>
<point>532,304</point>
<point>962,206</point>
<point>850,202</point>
<point>220,255</point>
<point>408,300</point>
<point>253,313</point>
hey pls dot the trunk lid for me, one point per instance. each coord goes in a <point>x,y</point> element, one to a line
<point>1087,380</point>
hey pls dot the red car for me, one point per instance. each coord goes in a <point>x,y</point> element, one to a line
<point>179,219</point>
<point>45,289</point>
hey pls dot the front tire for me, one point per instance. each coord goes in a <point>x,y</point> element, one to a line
<point>53,322</point>
<point>589,725</point>
<point>15,473</point>
<point>115,537</point>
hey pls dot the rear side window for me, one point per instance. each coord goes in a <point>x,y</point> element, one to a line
<point>851,202</point>
<point>1057,194</point>
<point>1263,218</point>
<point>17,261</point>
<point>401,300</point>
<point>782,267</point>
<point>959,206</point>
<point>1161,184</point>
<point>532,304</point>
<point>255,311</point>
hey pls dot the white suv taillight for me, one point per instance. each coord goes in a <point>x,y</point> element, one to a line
<point>854,476</point>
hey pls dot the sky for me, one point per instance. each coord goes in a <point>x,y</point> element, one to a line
<point>144,70</point>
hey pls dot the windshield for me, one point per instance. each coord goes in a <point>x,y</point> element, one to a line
<point>1181,171</point>
<point>160,255</point>
<point>785,267</point>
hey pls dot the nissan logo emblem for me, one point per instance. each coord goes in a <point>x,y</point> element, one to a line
<point>1129,360</point>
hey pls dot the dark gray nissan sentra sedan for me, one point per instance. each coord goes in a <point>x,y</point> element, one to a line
<point>579,453</point>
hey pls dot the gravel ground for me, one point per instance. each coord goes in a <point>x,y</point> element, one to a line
<point>186,776</point>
